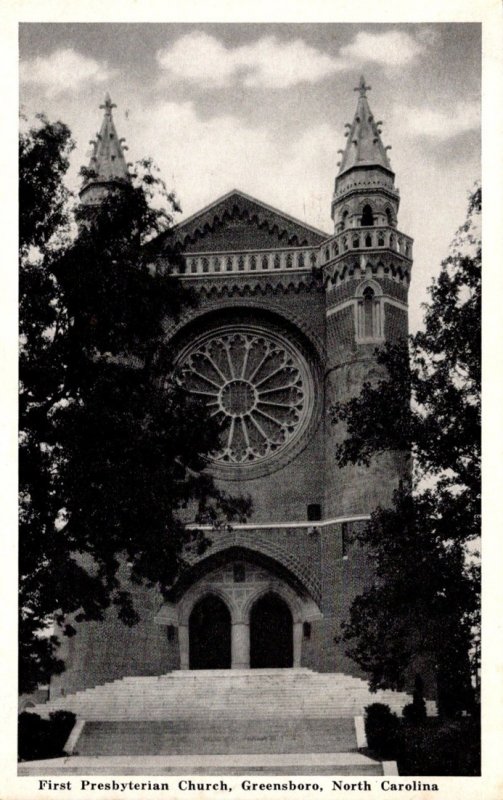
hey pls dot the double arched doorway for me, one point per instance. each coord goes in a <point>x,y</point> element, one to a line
<point>269,630</point>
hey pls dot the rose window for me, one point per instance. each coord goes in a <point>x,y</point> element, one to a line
<point>258,386</point>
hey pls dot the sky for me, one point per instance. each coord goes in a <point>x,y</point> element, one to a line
<point>262,107</point>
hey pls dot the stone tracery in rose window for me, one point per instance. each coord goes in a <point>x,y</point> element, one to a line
<point>256,383</point>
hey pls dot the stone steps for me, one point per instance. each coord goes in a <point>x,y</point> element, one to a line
<point>333,764</point>
<point>226,694</point>
<point>239,737</point>
<point>284,722</point>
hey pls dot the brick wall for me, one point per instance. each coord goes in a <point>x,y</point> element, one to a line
<point>108,650</point>
<point>243,236</point>
<point>395,322</point>
<point>285,492</point>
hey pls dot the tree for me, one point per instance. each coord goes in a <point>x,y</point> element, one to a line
<point>112,449</point>
<point>424,601</point>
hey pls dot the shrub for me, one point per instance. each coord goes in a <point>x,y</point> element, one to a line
<point>440,747</point>
<point>416,711</point>
<point>382,727</point>
<point>43,738</point>
<point>430,746</point>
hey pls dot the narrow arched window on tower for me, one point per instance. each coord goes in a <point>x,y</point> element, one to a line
<point>344,539</point>
<point>368,313</point>
<point>389,216</point>
<point>367,216</point>
<point>345,215</point>
<point>368,240</point>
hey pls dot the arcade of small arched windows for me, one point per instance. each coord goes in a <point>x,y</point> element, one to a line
<point>367,218</point>
<point>251,262</point>
<point>355,239</point>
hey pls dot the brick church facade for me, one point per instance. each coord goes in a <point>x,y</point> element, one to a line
<point>287,322</point>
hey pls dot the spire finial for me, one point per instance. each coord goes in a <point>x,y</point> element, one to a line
<point>362,88</point>
<point>108,105</point>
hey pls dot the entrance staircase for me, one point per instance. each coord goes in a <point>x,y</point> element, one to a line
<point>275,721</point>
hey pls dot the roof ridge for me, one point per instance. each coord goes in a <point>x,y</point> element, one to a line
<point>254,200</point>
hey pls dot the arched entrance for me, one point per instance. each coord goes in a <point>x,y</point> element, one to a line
<point>210,634</point>
<point>271,633</point>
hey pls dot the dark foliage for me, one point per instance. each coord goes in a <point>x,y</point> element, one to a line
<point>416,711</point>
<point>43,738</point>
<point>112,451</point>
<point>431,746</point>
<point>381,727</point>
<point>425,598</point>
<point>422,603</point>
<point>439,747</point>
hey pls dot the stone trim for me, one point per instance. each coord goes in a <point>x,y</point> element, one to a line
<point>265,546</point>
<point>229,301</point>
<point>249,526</point>
<point>239,599</point>
<point>75,733</point>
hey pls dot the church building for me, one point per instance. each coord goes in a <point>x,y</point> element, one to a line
<point>287,322</point>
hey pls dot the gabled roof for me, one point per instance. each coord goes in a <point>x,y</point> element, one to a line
<point>216,227</point>
<point>364,146</point>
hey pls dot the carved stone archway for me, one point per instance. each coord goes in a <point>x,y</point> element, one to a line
<point>239,584</point>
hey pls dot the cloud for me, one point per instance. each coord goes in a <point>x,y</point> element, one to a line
<point>256,159</point>
<point>269,62</point>
<point>65,70</point>
<point>439,124</point>
<point>389,48</point>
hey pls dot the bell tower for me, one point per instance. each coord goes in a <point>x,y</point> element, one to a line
<point>366,267</point>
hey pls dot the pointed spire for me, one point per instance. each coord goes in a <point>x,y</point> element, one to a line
<point>107,162</point>
<point>364,147</point>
